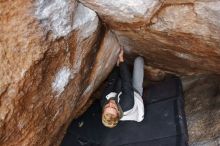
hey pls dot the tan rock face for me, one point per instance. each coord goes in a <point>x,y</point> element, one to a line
<point>54,54</point>
<point>202,106</point>
<point>52,59</point>
<point>154,74</point>
<point>177,36</point>
<point>122,13</point>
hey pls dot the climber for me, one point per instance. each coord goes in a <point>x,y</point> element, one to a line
<point>122,96</point>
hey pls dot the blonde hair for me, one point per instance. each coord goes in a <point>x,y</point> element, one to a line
<point>110,120</point>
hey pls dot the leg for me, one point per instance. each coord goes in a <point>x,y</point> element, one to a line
<point>138,75</point>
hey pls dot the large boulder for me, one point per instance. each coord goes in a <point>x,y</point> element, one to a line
<point>178,36</point>
<point>53,55</point>
<point>202,106</point>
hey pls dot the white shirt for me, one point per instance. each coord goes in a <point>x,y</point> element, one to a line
<point>134,114</point>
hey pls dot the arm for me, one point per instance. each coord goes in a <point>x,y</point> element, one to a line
<point>110,85</point>
<point>127,96</point>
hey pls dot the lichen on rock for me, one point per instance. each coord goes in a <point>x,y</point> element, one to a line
<point>56,16</point>
<point>61,80</point>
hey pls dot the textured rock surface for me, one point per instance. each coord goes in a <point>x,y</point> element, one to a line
<point>124,13</point>
<point>154,74</point>
<point>177,36</point>
<point>50,64</point>
<point>54,54</point>
<point>202,105</point>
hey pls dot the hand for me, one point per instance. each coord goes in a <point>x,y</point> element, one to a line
<point>120,56</point>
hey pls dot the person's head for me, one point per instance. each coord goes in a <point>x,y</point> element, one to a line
<point>110,114</point>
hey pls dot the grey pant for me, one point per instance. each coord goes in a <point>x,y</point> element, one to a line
<point>138,75</point>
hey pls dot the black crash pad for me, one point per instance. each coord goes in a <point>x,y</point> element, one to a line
<point>164,123</point>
